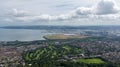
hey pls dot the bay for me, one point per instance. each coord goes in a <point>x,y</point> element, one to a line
<point>22,34</point>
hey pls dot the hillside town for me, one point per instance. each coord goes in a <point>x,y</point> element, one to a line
<point>106,48</point>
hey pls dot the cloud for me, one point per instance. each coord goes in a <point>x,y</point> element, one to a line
<point>105,9</point>
<point>102,8</point>
<point>19,13</point>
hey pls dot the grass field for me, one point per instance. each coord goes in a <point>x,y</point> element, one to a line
<point>62,36</point>
<point>91,61</point>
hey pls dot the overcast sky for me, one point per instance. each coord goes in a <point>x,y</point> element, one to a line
<point>59,12</point>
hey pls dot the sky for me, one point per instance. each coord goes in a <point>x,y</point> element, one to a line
<point>59,12</point>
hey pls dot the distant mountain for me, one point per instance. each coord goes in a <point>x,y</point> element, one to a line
<point>61,27</point>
